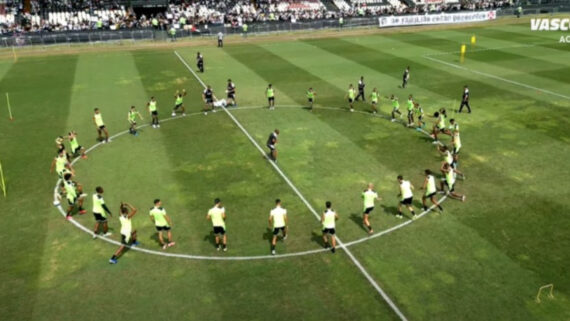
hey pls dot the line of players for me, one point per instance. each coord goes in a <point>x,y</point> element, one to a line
<point>75,196</point>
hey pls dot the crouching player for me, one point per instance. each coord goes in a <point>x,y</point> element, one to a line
<point>128,234</point>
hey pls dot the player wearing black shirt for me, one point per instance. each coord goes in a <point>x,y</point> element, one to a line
<point>361,86</point>
<point>406,77</point>
<point>208,97</point>
<point>231,93</point>
<point>465,100</point>
<point>200,62</point>
<point>272,143</point>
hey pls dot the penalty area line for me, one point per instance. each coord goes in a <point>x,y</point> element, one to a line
<point>307,204</point>
<point>512,82</point>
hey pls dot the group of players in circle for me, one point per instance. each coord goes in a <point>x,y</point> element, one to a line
<point>278,221</point>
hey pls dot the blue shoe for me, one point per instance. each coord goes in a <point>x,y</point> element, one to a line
<point>112,261</point>
<point>135,243</point>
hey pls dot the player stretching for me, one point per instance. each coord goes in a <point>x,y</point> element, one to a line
<point>74,194</point>
<point>456,141</point>
<point>418,110</point>
<point>311,97</point>
<point>231,93</point>
<point>431,190</point>
<point>350,96</point>
<point>208,98</point>
<point>100,211</point>
<point>179,103</point>
<point>98,120</point>
<point>439,127</point>
<point>153,111</point>
<point>278,222</point>
<point>162,222</point>
<point>410,106</point>
<point>128,234</point>
<point>217,215</point>
<point>395,108</point>
<point>449,159</point>
<point>76,149</point>
<point>465,100</point>
<point>369,196</point>
<point>449,181</point>
<point>406,196</point>
<point>132,118</point>
<point>270,93</point>
<point>272,145</point>
<point>374,95</point>
<point>61,164</point>
<point>328,219</point>
<point>406,77</point>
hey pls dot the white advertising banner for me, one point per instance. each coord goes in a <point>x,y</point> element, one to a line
<point>440,18</point>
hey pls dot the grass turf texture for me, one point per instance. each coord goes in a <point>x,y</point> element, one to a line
<point>483,260</point>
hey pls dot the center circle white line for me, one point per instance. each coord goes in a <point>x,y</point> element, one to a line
<point>232,258</point>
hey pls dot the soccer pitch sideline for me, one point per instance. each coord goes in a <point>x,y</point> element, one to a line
<point>480,260</point>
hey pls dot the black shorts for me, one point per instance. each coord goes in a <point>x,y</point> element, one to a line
<point>407,201</point>
<point>219,230</point>
<point>310,100</point>
<point>452,188</point>
<point>72,202</point>
<point>231,95</point>
<point>455,151</point>
<point>330,231</point>
<point>431,195</point>
<point>410,113</point>
<point>77,150</point>
<point>440,130</point>
<point>124,240</point>
<point>209,100</point>
<point>177,106</point>
<point>368,210</point>
<point>421,117</point>
<point>101,127</point>
<point>154,112</point>
<point>163,228</point>
<point>271,147</point>
<point>99,218</point>
<point>350,100</point>
<point>277,229</point>
<point>271,98</point>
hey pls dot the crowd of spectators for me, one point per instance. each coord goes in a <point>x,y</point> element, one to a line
<point>65,15</point>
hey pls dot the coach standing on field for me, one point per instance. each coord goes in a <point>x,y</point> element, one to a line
<point>220,40</point>
<point>465,100</point>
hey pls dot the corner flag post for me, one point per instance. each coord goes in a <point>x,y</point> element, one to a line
<point>9,107</point>
<point>2,178</point>
<point>462,51</point>
<point>473,40</point>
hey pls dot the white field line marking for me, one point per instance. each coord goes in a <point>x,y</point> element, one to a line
<point>232,258</point>
<point>484,49</point>
<point>497,78</point>
<point>307,204</point>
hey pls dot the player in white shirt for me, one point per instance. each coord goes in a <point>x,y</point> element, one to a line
<point>278,222</point>
<point>406,196</point>
<point>369,196</point>
<point>328,219</point>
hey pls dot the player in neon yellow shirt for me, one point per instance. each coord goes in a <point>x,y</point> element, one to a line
<point>61,164</point>
<point>100,211</point>
<point>395,108</point>
<point>439,126</point>
<point>369,196</point>
<point>419,112</point>
<point>128,234</point>
<point>311,97</point>
<point>153,111</point>
<point>328,219</point>
<point>101,128</point>
<point>277,222</point>
<point>132,119</point>
<point>76,149</point>
<point>217,215</point>
<point>406,196</point>
<point>410,106</point>
<point>74,194</point>
<point>179,102</point>
<point>350,95</point>
<point>374,96</point>
<point>161,222</point>
<point>449,181</point>
<point>270,93</point>
<point>431,190</point>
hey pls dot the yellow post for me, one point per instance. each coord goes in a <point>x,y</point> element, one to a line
<point>14,53</point>
<point>3,183</point>
<point>473,40</point>
<point>462,51</point>
<point>9,107</point>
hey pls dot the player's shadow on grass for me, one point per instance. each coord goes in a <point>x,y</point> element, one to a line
<point>389,209</point>
<point>357,219</point>
<point>317,238</point>
<point>211,237</point>
<point>154,237</point>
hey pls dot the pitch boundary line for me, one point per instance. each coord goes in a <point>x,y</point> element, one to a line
<point>512,82</point>
<point>484,49</point>
<point>229,258</point>
<point>307,204</point>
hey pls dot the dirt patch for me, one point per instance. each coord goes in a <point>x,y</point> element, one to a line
<point>237,39</point>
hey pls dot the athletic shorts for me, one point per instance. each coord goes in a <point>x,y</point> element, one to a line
<point>77,150</point>
<point>277,229</point>
<point>430,195</point>
<point>99,218</point>
<point>177,106</point>
<point>452,188</point>
<point>163,228</point>
<point>219,230</point>
<point>374,102</point>
<point>154,113</point>
<point>71,202</point>
<point>310,100</point>
<point>456,150</point>
<point>134,123</point>
<point>125,240</point>
<point>102,127</point>
<point>271,147</point>
<point>231,96</point>
<point>407,201</point>
<point>350,100</point>
<point>368,210</point>
<point>440,130</point>
<point>209,100</point>
<point>421,117</point>
<point>410,113</point>
<point>330,231</point>
<point>271,98</point>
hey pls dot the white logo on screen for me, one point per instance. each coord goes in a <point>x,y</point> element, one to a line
<point>554,24</point>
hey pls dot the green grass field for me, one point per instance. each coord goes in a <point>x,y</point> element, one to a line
<point>480,260</point>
